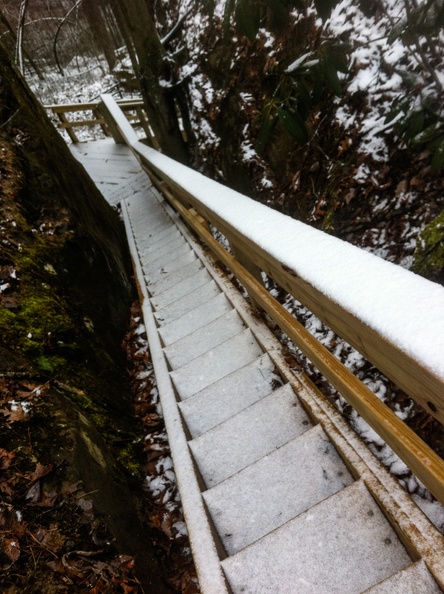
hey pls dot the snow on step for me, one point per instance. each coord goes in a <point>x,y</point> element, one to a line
<point>143,222</point>
<point>149,242</point>
<point>254,432</point>
<point>228,396</point>
<point>185,287</point>
<point>290,480</point>
<point>220,361</point>
<point>343,545</point>
<point>183,305</point>
<point>213,334</point>
<point>194,319</point>
<point>415,579</point>
<point>165,249</point>
<point>173,278</point>
<point>157,273</point>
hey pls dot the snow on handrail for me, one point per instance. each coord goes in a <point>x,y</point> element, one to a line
<point>401,307</point>
<point>392,316</point>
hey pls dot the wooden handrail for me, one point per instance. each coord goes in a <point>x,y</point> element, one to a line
<point>192,195</point>
<point>125,105</point>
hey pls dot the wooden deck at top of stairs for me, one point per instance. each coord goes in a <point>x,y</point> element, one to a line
<point>270,505</point>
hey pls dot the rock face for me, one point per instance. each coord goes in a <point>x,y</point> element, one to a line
<point>64,307</point>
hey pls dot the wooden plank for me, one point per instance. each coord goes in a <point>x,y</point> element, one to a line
<point>418,456</point>
<point>78,123</point>
<point>67,107</point>
<point>67,125</point>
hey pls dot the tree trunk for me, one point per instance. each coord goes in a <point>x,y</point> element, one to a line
<point>153,72</point>
<point>98,25</point>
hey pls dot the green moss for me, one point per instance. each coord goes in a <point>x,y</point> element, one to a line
<point>129,457</point>
<point>50,364</point>
<point>429,255</point>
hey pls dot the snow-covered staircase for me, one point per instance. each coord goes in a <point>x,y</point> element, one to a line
<point>285,513</point>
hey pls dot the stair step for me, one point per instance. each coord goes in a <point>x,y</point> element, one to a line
<point>415,579</point>
<point>194,319</point>
<point>166,248</point>
<point>220,361</point>
<point>290,480</point>
<point>152,267</point>
<point>185,287</point>
<point>150,223</point>
<point>184,305</point>
<point>147,214</point>
<point>248,436</point>
<point>173,278</point>
<point>160,272</point>
<point>342,545</point>
<point>195,344</point>
<point>152,241</point>
<point>228,396</point>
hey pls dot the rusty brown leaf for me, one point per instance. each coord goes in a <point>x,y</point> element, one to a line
<point>39,472</point>
<point>12,549</point>
<point>6,458</point>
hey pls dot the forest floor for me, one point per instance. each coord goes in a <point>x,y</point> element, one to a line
<point>53,538</point>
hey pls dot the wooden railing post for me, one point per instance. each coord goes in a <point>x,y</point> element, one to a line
<point>249,265</point>
<point>66,124</point>
<point>102,108</point>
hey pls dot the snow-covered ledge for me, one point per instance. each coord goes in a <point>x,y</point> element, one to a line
<point>392,316</point>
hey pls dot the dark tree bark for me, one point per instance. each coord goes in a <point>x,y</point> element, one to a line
<point>153,70</point>
<point>98,25</point>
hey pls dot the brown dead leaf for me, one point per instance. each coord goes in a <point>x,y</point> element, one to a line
<point>124,563</point>
<point>17,414</point>
<point>53,540</point>
<point>416,182</point>
<point>12,549</point>
<point>63,567</point>
<point>5,488</point>
<point>151,420</point>
<point>18,528</point>
<point>402,187</point>
<point>9,301</point>
<point>48,500</point>
<point>6,458</point>
<point>39,472</point>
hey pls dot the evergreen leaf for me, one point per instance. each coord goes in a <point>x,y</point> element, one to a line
<point>294,124</point>
<point>265,131</point>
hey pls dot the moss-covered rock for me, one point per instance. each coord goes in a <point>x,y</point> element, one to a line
<point>429,255</point>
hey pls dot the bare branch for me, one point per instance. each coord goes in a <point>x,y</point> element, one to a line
<point>63,21</point>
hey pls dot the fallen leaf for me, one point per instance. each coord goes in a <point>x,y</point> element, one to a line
<point>48,500</point>
<point>39,471</point>
<point>53,540</point>
<point>6,458</point>
<point>5,488</point>
<point>65,568</point>
<point>12,549</point>
<point>17,414</point>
